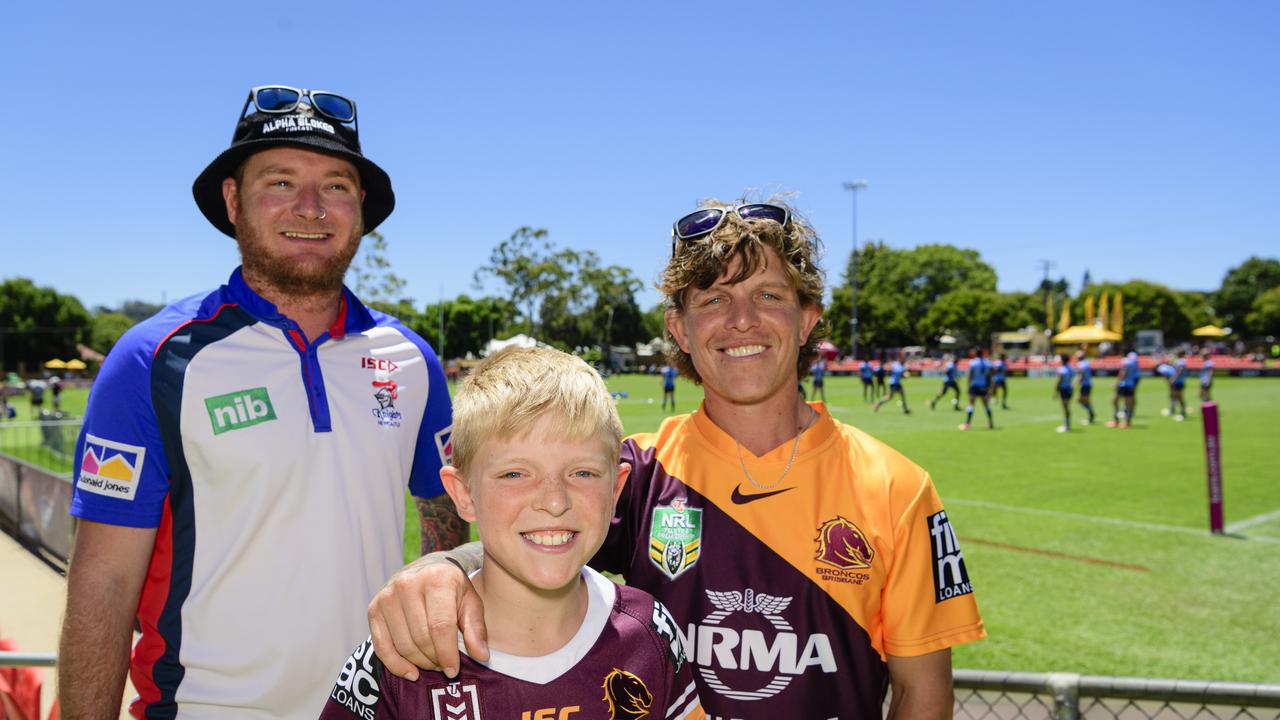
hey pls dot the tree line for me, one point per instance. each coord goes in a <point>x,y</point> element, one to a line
<point>570,299</point>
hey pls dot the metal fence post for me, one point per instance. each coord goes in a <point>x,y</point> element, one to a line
<point>1066,695</point>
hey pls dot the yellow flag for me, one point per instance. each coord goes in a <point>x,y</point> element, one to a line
<point>1048,311</point>
<point>1104,319</point>
<point>1117,315</point>
<point>1064,322</point>
<point>1088,309</point>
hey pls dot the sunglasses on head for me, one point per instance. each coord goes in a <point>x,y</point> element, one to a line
<point>705,221</point>
<point>284,99</point>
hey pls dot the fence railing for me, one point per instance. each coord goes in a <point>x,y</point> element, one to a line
<point>981,695</point>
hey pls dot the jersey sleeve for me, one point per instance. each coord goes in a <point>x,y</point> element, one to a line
<point>435,448</point>
<point>682,701</point>
<point>121,476</point>
<point>363,689</point>
<point>620,542</point>
<point>928,598</point>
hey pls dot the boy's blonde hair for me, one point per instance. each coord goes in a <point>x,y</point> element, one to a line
<point>507,393</point>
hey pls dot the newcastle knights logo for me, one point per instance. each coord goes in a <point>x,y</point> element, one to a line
<point>675,537</point>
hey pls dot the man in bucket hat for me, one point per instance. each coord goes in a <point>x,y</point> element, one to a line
<point>242,466</point>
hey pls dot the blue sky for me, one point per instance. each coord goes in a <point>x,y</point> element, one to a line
<point>1134,139</point>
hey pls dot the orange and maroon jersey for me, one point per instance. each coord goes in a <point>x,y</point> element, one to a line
<point>790,597</point>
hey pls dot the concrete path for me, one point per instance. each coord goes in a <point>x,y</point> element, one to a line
<point>32,598</point>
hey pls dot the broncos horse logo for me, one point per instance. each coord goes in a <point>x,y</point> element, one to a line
<point>842,544</point>
<point>627,696</point>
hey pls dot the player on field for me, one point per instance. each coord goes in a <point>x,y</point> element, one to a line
<point>819,373</point>
<point>1124,402</point>
<point>882,369</point>
<point>979,387</point>
<point>535,466</point>
<point>669,375</point>
<point>868,380</point>
<point>1177,386</point>
<point>1062,389</point>
<point>1084,368</point>
<point>998,384</point>
<point>948,383</point>
<point>897,371</point>
<point>809,565</point>
<point>1206,375</point>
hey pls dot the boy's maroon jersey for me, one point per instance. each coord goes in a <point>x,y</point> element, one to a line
<point>626,661</point>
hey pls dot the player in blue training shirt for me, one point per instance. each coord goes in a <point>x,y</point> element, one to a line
<point>881,368</point>
<point>948,383</point>
<point>998,385</point>
<point>669,386</point>
<point>1177,384</point>
<point>868,380</point>
<point>979,387</point>
<point>896,373</point>
<point>1062,388</point>
<point>1206,375</point>
<point>1126,392</point>
<point>1084,368</point>
<point>819,373</point>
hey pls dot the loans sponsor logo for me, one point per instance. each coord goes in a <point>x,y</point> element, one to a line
<point>950,577</point>
<point>627,696</point>
<point>735,651</point>
<point>675,537</point>
<point>239,409</point>
<point>110,468</point>
<point>665,626</point>
<point>455,701</point>
<point>386,392</point>
<point>843,547</point>
<point>357,687</point>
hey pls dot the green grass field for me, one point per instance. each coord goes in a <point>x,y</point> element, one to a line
<point>1089,550</point>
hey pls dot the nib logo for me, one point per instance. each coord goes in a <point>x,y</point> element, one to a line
<point>239,409</point>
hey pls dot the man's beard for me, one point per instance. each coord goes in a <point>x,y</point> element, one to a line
<point>298,279</point>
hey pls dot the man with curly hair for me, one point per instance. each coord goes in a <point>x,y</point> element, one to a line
<point>808,565</point>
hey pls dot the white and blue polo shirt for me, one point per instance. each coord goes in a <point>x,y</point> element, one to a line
<point>274,470</point>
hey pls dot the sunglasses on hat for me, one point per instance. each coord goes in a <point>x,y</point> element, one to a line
<point>280,99</point>
<point>705,221</point>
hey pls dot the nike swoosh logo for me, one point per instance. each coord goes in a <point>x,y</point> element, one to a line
<point>740,499</point>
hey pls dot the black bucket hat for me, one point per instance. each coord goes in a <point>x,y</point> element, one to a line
<point>301,128</point>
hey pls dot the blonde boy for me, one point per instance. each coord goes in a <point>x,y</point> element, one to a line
<point>535,465</point>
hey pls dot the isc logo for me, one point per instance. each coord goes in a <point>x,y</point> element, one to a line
<point>564,713</point>
<point>383,364</point>
<point>239,409</point>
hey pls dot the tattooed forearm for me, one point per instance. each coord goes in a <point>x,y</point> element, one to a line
<point>442,529</point>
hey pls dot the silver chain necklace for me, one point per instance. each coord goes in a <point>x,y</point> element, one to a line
<point>795,449</point>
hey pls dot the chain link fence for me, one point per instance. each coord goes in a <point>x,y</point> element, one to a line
<point>983,695</point>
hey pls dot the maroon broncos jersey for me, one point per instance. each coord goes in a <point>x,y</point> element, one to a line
<point>625,661</point>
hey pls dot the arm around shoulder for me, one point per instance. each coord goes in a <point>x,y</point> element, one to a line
<point>105,580</point>
<point>922,686</point>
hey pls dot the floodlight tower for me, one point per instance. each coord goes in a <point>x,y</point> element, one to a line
<point>854,187</point>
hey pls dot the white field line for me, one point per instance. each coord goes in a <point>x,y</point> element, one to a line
<point>1255,520</point>
<point>1136,524</point>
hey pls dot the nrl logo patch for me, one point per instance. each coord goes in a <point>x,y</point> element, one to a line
<point>675,537</point>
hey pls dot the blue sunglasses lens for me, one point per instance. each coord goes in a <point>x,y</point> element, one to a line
<point>763,212</point>
<point>335,106</point>
<point>275,99</point>
<point>698,223</point>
